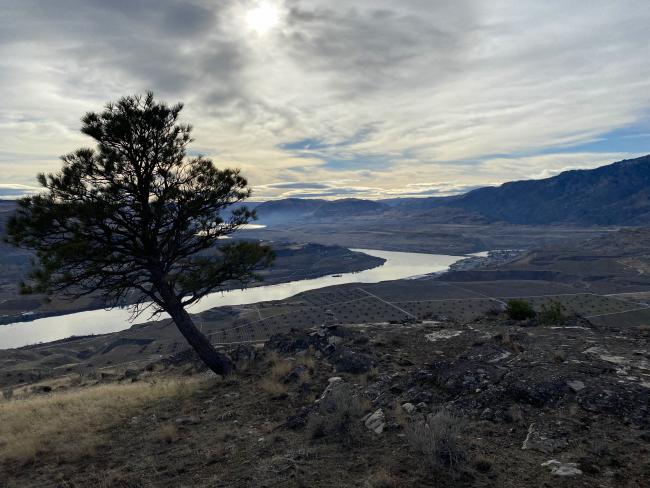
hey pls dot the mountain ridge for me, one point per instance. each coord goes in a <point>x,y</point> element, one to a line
<point>614,194</point>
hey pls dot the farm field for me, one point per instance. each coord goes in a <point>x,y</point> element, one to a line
<point>381,303</point>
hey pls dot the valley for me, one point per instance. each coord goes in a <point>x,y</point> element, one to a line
<point>367,327</point>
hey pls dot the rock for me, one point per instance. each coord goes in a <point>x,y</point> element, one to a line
<point>42,389</point>
<point>539,441</point>
<point>559,468</point>
<point>334,340</point>
<point>576,385</point>
<point>186,420</point>
<point>488,414</point>
<point>353,363</point>
<point>229,415</point>
<point>130,374</point>
<point>404,361</point>
<point>332,383</point>
<point>295,374</point>
<point>442,334</point>
<point>289,344</point>
<point>534,393</point>
<point>375,421</point>
<point>409,407</point>
<point>243,354</point>
<point>422,406</point>
<point>514,414</point>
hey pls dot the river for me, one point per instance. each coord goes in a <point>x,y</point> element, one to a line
<point>398,265</point>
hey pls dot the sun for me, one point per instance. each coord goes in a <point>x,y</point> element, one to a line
<point>263,18</point>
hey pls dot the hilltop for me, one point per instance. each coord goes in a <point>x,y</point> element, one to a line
<point>507,403</point>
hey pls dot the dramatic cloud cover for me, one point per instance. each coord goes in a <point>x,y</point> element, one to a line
<point>313,98</point>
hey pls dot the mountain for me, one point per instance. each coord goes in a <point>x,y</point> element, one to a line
<point>287,209</point>
<point>350,207</point>
<point>616,194</point>
<point>290,209</point>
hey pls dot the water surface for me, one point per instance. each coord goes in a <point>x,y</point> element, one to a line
<point>398,265</point>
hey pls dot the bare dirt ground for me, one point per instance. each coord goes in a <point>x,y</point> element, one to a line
<point>518,397</point>
<point>458,394</point>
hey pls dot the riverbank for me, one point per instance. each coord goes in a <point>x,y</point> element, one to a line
<point>293,262</point>
<point>395,266</point>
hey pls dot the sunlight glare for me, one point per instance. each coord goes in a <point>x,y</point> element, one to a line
<point>263,18</point>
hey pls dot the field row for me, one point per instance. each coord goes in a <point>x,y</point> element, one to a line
<point>354,306</point>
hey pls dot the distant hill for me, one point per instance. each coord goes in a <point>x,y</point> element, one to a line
<point>351,207</point>
<point>287,209</point>
<point>616,194</point>
<point>299,209</point>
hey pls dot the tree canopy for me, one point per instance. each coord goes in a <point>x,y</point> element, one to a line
<point>136,219</point>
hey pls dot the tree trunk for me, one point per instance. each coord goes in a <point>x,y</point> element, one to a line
<point>217,362</point>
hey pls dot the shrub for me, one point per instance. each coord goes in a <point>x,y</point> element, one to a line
<point>520,310</point>
<point>281,368</point>
<point>337,413</point>
<point>552,314</point>
<point>436,438</point>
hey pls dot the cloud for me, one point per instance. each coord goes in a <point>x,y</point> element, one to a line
<point>379,94</point>
<point>10,191</point>
<point>345,189</point>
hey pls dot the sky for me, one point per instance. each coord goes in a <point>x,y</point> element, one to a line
<point>315,98</point>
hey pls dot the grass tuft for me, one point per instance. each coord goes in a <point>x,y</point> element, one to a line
<point>75,422</point>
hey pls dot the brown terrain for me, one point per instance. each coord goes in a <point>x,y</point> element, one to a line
<point>406,383</point>
<point>500,398</point>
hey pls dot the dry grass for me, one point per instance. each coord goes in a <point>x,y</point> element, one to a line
<point>437,439</point>
<point>337,414</point>
<point>273,387</point>
<point>281,368</point>
<point>74,423</point>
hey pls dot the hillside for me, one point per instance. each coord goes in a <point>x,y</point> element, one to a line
<point>301,209</point>
<point>616,194</point>
<point>427,404</point>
